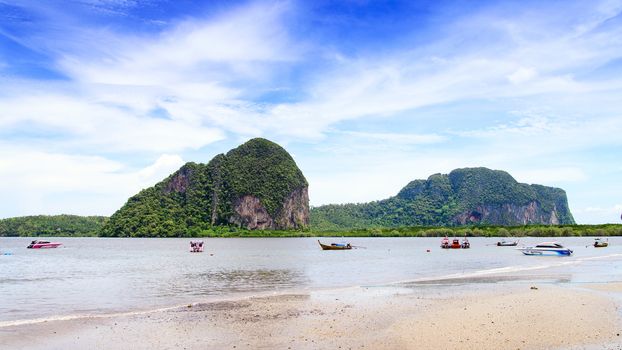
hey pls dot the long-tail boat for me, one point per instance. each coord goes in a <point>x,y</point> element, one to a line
<point>504,243</point>
<point>335,246</point>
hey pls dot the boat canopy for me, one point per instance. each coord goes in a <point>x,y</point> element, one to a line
<point>549,245</point>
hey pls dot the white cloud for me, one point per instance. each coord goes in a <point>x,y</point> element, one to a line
<point>611,210</point>
<point>36,182</point>
<point>396,138</point>
<point>551,176</point>
<point>599,215</point>
<point>193,51</point>
<point>159,170</point>
<point>94,127</point>
<point>519,65</point>
<point>192,73</point>
<point>197,81</point>
<point>522,75</point>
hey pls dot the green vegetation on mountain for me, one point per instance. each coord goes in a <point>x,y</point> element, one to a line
<point>51,225</point>
<point>256,186</point>
<point>463,197</point>
<point>478,231</point>
<point>263,169</point>
<point>87,226</point>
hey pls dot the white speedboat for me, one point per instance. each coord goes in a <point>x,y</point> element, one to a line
<point>546,248</point>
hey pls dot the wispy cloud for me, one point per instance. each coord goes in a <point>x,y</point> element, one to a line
<point>93,127</point>
<point>191,74</point>
<point>396,138</point>
<point>537,88</point>
<point>227,48</point>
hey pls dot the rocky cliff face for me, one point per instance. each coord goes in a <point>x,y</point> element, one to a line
<point>493,197</point>
<point>255,186</point>
<point>249,212</point>
<point>530,213</point>
<point>462,197</point>
<point>295,210</point>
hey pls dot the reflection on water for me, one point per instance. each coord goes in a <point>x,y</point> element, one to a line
<point>221,282</point>
<point>562,278</point>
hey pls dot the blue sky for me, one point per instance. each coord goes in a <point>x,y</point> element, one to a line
<point>100,98</point>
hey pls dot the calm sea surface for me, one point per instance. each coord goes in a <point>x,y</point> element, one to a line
<point>108,275</point>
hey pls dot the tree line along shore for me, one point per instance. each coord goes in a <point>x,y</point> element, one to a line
<point>90,226</point>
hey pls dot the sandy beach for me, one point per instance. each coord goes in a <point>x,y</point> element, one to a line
<point>449,316</point>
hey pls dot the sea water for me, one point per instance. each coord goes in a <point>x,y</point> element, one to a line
<point>98,276</point>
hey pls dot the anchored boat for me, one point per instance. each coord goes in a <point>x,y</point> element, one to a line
<point>335,246</point>
<point>196,246</point>
<point>504,243</point>
<point>599,243</point>
<point>465,243</point>
<point>547,248</point>
<point>445,243</point>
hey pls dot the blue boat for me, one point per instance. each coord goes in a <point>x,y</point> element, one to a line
<point>547,248</point>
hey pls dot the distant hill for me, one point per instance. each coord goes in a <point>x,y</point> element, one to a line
<point>462,197</point>
<point>254,186</point>
<point>54,225</point>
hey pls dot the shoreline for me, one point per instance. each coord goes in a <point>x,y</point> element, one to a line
<point>461,316</point>
<point>486,231</point>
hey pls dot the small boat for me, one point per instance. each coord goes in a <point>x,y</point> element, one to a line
<point>599,243</point>
<point>335,246</point>
<point>455,244</point>
<point>504,243</point>
<point>196,246</point>
<point>546,248</point>
<point>465,243</point>
<point>445,243</point>
<point>37,244</point>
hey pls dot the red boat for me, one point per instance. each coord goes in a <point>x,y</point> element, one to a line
<point>43,244</point>
<point>455,244</point>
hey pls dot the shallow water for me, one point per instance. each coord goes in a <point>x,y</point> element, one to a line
<point>104,275</point>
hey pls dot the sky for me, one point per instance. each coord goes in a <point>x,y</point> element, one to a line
<point>102,98</point>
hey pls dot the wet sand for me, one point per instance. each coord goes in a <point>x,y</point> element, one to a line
<point>453,316</point>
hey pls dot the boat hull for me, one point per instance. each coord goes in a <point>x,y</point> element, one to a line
<point>512,244</point>
<point>44,245</point>
<point>546,252</point>
<point>455,244</point>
